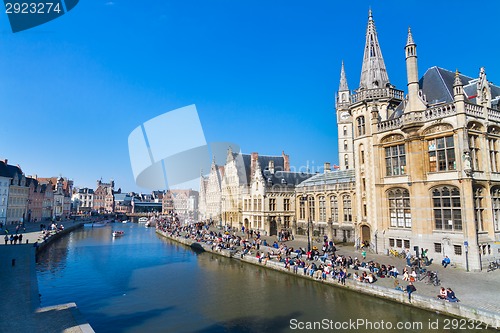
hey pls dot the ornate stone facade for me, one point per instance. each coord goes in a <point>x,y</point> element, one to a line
<point>427,165</point>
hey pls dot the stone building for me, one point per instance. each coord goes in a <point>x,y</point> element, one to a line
<point>211,193</point>
<point>35,200</point>
<point>426,164</point>
<point>325,204</point>
<point>83,200</point>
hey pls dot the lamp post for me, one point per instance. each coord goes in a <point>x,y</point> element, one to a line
<point>306,207</point>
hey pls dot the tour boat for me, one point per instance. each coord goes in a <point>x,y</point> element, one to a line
<point>143,219</point>
<point>126,221</point>
<point>118,233</point>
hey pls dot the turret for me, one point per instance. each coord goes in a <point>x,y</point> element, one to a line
<point>415,102</point>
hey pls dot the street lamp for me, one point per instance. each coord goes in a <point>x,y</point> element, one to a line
<point>304,199</point>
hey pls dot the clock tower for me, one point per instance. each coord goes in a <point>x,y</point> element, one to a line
<point>344,122</point>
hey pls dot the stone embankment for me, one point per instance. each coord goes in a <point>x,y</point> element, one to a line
<point>490,319</point>
<point>21,310</point>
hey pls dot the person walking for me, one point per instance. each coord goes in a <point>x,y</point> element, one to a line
<point>6,238</point>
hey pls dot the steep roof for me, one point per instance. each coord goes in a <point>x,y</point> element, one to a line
<point>4,172</point>
<point>437,85</point>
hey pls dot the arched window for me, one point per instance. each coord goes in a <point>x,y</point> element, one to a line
<point>345,145</point>
<point>474,151</point>
<point>302,209</point>
<point>447,208</point>
<point>334,206</point>
<point>361,125</point>
<point>345,130</point>
<point>346,161</point>
<point>347,209</point>
<point>399,208</point>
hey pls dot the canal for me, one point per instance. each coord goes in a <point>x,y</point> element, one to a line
<point>142,282</point>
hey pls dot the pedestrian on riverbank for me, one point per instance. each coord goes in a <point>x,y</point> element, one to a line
<point>20,238</point>
<point>6,238</point>
<point>410,288</point>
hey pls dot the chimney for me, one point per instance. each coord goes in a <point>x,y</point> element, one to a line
<point>271,167</point>
<point>327,167</point>
<point>6,161</point>
<point>253,163</point>
<point>286,161</point>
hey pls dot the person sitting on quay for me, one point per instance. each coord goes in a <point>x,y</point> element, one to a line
<point>393,272</point>
<point>275,245</point>
<point>410,289</point>
<point>370,278</point>
<point>446,261</point>
<point>450,296</point>
<point>442,293</point>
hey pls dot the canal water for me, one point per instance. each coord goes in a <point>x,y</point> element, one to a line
<point>142,282</point>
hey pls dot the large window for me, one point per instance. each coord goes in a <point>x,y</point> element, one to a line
<point>495,203</point>
<point>322,209</point>
<point>361,125</point>
<point>334,206</point>
<point>493,148</point>
<point>447,208</point>
<point>395,160</point>
<point>312,211</point>
<point>347,209</point>
<point>474,151</point>
<point>272,205</point>
<point>286,205</point>
<point>302,209</point>
<point>399,208</point>
<point>479,208</point>
<point>442,154</point>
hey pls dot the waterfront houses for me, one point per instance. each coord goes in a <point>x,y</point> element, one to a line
<point>4,191</point>
<point>83,200</point>
<point>18,196</point>
<point>35,200</point>
<point>426,164</point>
<point>103,197</point>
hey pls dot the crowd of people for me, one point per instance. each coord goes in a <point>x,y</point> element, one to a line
<point>318,263</point>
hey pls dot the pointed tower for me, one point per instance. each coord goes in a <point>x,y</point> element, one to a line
<point>373,71</point>
<point>483,90</point>
<point>415,102</point>
<point>344,123</point>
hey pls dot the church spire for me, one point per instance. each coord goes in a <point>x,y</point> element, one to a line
<point>373,72</point>
<point>343,80</point>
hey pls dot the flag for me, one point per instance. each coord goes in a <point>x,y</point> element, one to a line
<point>336,167</point>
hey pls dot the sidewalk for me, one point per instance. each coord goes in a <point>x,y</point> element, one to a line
<point>31,232</point>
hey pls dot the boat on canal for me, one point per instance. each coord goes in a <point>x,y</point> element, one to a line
<point>143,219</point>
<point>118,233</point>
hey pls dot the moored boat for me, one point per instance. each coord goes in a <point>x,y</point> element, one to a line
<point>118,233</point>
<point>143,219</point>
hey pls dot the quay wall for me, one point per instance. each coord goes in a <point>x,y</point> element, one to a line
<point>70,316</point>
<point>488,318</point>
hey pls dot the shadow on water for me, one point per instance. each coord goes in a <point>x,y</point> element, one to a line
<point>252,324</point>
<point>115,323</point>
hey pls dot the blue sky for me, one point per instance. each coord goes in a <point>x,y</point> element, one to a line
<point>262,74</point>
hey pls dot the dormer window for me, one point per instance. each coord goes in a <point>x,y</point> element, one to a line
<point>283,181</point>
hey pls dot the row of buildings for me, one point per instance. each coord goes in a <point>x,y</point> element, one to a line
<point>105,199</point>
<point>31,199</point>
<point>419,169</point>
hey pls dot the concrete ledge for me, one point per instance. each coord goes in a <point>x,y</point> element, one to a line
<point>491,319</point>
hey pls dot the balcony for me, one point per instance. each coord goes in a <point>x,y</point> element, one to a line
<point>378,93</point>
